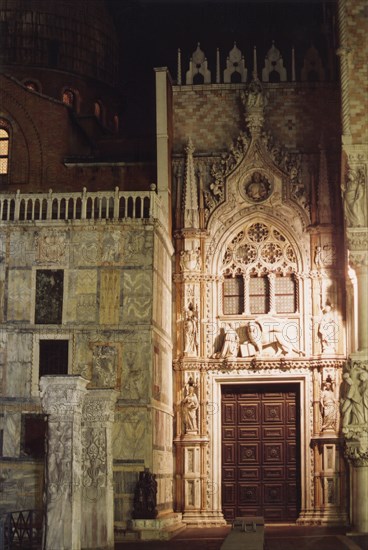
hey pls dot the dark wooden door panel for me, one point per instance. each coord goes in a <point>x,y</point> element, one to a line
<point>260,463</point>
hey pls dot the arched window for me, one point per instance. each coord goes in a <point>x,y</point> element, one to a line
<point>116,123</point>
<point>69,97</point>
<point>98,110</point>
<point>259,268</point>
<point>4,147</point>
<point>32,85</point>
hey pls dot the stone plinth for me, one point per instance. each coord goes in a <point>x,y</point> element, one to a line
<point>162,528</point>
<point>97,530</point>
<point>62,400</point>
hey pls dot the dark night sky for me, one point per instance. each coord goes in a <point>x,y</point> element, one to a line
<point>151,31</point>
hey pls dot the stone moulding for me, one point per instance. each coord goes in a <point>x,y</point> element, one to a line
<point>254,365</point>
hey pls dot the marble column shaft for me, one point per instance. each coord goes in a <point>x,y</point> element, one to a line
<point>97,475</point>
<point>62,400</point>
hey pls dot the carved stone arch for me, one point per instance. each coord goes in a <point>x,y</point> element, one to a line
<point>219,244</point>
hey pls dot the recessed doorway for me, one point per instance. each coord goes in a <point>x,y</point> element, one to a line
<point>261,451</point>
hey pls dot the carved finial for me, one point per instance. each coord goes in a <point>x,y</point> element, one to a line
<point>255,72</point>
<point>217,66</point>
<point>179,67</point>
<point>190,191</point>
<point>293,64</point>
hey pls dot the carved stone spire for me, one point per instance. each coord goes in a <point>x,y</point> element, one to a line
<point>190,192</point>
<point>324,202</point>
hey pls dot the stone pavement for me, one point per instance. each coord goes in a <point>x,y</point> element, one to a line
<point>276,538</point>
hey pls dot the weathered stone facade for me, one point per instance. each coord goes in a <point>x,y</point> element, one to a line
<point>244,270</point>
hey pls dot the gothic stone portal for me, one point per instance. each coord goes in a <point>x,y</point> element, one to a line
<point>260,452</point>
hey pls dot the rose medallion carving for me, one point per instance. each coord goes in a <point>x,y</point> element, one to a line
<point>258,188</point>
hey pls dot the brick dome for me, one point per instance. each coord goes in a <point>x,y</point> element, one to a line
<point>78,38</point>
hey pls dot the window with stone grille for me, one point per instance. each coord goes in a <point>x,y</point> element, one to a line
<point>4,148</point>
<point>285,296</point>
<point>233,295</point>
<point>258,295</point>
<point>265,261</point>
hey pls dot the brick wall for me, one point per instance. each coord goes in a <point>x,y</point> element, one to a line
<point>297,115</point>
<point>356,19</point>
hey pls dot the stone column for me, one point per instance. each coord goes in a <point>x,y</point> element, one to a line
<point>97,529</point>
<point>354,407</point>
<point>357,454</point>
<point>62,400</point>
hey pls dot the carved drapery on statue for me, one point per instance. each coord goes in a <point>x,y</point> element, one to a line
<point>190,406</point>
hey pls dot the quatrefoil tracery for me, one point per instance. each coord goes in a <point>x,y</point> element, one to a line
<point>257,249</point>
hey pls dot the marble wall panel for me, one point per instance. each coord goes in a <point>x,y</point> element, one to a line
<point>12,431</point>
<point>137,296</point>
<point>82,296</point>
<point>110,247</point>
<point>19,295</point>
<point>19,348</point>
<point>136,371</point>
<point>52,247</point>
<point>18,379</point>
<point>22,486</point>
<point>131,434</point>
<point>85,248</point>
<point>138,247</point>
<point>109,296</point>
<point>22,251</point>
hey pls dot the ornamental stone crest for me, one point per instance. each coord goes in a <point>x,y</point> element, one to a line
<point>257,188</point>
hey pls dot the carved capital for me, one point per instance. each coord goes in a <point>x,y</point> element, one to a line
<point>356,451</point>
<point>99,405</point>
<point>62,396</point>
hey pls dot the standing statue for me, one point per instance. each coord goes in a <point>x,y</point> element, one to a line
<point>329,406</point>
<point>363,390</point>
<point>352,404</point>
<point>190,406</point>
<point>145,496</point>
<point>355,200</point>
<point>191,331</point>
<point>327,330</point>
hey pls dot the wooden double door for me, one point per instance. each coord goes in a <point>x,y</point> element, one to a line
<point>261,451</point>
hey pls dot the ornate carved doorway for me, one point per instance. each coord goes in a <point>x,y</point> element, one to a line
<point>260,451</point>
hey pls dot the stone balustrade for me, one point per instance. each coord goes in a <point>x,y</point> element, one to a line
<point>85,205</point>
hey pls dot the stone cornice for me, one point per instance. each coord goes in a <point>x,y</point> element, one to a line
<point>255,364</point>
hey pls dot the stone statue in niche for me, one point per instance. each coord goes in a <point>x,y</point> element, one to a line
<point>191,331</point>
<point>258,189</point>
<point>253,96</point>
<point>328,330</point>
<point>145,496</point>
<point>329,407</point>
<point>190,406</point>
<point>355,200</point>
